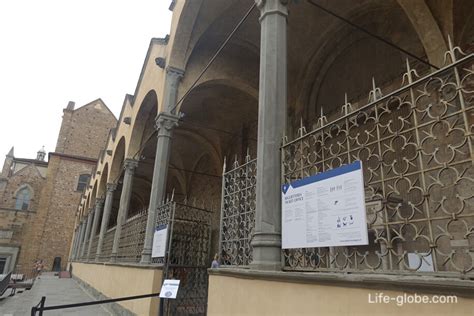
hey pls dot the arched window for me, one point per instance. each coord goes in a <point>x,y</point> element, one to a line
<point>23,199</point>
<point>82,183</point>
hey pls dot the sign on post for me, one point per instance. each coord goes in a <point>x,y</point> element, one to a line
<point>169,289</point>
<point>159,241</point>
<point>325,210</point>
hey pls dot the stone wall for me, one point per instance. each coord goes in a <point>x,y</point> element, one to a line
<point>14,224</point>
<point>28,175</point>
<point>55,223</point>
<point>46,231</point>
<point>84,131</point>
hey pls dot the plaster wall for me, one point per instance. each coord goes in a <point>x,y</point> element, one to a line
<point>236,296</point>
<point>115,281</point>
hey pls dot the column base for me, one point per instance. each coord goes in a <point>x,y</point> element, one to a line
<point>266,251</point>
<point>113,258</point>
<point>146,256</point>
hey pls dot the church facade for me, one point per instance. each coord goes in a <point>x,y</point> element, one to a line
<point>39,199</point>
<point>212,132</point>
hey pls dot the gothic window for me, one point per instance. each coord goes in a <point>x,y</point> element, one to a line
<point>82,183</point>
<point>23,199</point>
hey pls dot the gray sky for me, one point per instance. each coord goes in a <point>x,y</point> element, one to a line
<point>55,51</point>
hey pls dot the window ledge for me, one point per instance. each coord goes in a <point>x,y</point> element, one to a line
<point>425,284</point>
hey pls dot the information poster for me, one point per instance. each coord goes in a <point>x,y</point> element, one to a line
<point>325,210</point>
<point>159,241</point>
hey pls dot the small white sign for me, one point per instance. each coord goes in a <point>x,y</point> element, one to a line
<point>325,210</point>
<point>159,241</point>
<point>422,261</point>
<point>169,289</point>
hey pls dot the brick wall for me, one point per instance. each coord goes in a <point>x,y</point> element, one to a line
<point>84,131</point>
<point>54,226</point>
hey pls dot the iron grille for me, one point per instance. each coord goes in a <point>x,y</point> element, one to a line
<point>107,245</point>
<point>95,242</point>
<point>238,213</point>
<point>416,145</point>
<point>132,238</point>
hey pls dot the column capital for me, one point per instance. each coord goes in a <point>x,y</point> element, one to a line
<point>99,202</point>
<point>130,164</point>
<point>111,187</point>
<point>268,7</point>
<point>166,121</point>
<point>175,72</point>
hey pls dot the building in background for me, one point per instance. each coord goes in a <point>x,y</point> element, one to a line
<point>38,199</point>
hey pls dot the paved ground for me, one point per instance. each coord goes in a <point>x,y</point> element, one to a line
<point>57,292</point>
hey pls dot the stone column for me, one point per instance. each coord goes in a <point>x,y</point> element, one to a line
<point>81,238</point>
<point>88,231</point>
<point>99,203</point>
<point>271,126</point>
<point>109,198</point>
<point>129,167</point>
<point>74,243</point>
<point>77,237</point>
<point>165,122</point>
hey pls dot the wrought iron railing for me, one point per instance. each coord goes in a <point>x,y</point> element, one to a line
<point>416,145</point>
<point>95,242</point>
<point>107,245</point>
<point>238,213</point>
<point>187,254</point>
<point>132,238</point>
<point>185,224</point>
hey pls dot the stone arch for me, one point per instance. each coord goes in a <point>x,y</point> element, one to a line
<point>177,182</point>
<point>196,18</point>
<point>23,186</point>
<point>427,29</point>
<point>228,81</point>
<point>466,36</point>
<point>201,165</point>
<point>325,56</point>
<point>93,196</point>
<point>21,199</point>
<point>217,113</point>
<point>143,123</point>
<point>103,181</point>
<point>183,33</point>
<point>228,69</point>
<point>86,209</point>
<point>117,161</point>
<point>208,146</point>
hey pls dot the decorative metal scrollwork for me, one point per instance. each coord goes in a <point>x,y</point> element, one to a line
<point>238,213</point>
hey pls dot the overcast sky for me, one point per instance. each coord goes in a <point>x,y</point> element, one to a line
<point>55,51</point>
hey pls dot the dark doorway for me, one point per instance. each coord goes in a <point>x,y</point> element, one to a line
<point>57,264</point>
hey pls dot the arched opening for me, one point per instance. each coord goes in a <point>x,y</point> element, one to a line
<point>220,120</point>
<point>116,176</point>
<point>339,60</point>
<point>23,198</point>
<point>101,193</point>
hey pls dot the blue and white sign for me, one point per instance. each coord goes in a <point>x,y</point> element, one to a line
<point>159,241</point>
<point>325,210</point>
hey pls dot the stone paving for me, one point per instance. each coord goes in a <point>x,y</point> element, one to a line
<point>57,292</point>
